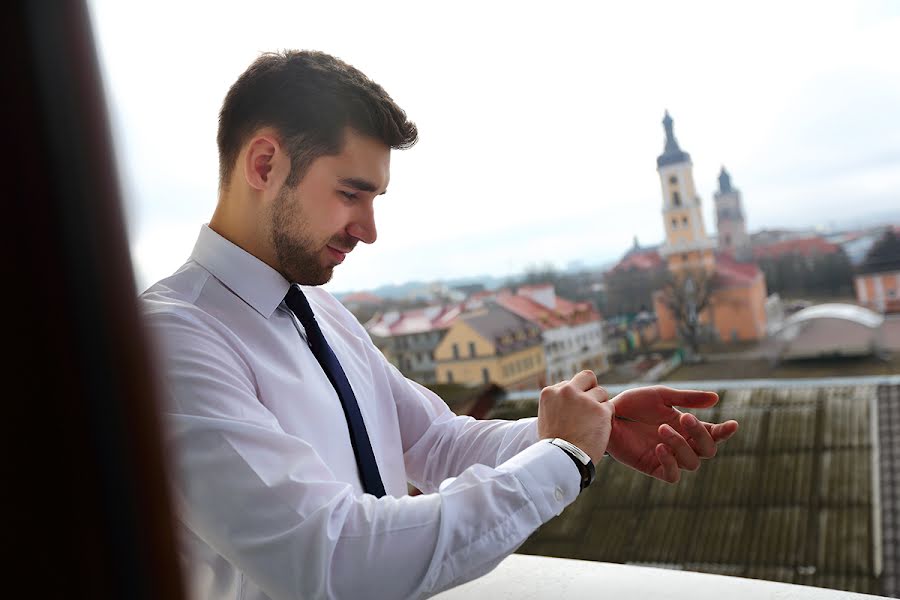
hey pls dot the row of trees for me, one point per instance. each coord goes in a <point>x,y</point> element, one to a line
<point>630,291</point>
<point>816,275</point>
<point>688,294</point>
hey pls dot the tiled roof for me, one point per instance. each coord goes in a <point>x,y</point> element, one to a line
<point>563,313</point>
<point>419,320</point>
<point>883,256</point>
<point>888,419</point>
<point>732,273</point>
<point>805,247</point>
<point>639,259</point>
<point>531,310</point>
<point>790,498</point>
<point>495,323</point>
<point>362,298</point>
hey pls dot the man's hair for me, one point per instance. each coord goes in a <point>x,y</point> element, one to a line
<point>309,98</point>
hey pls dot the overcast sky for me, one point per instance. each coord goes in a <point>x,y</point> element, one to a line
<point>539,123</point>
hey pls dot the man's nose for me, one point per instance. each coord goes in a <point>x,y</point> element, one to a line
<point>363,225</point>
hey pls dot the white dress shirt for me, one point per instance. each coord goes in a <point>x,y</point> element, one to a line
<point>266,483</point>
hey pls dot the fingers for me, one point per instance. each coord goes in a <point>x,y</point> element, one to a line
<point>701,438</point>
<point>689,398</point>
<point>600,395</point>
<point>668,467</point>
<point>584,381</point>
<point>722,431</point>
<point>685,456</point>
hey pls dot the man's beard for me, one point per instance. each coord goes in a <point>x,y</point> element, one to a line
<point>297,253</point>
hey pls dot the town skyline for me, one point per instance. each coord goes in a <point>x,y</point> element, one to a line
<point>401,289</point>
<point>530,153</point>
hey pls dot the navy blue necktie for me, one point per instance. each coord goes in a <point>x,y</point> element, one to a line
<point>362,447</point>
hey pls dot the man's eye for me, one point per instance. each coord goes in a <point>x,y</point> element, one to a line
<point>348,195</point>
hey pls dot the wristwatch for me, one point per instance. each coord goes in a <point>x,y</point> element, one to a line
<point>580,458</point>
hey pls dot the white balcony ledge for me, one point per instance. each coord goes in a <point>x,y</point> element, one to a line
<point>523,577</point>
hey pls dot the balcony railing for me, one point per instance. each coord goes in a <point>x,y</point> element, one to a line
<point>535,577</point>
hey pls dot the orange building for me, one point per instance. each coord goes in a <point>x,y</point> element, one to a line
<point>878,279</point>
<point>736,310</point>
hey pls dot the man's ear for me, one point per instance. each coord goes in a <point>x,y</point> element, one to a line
<point>261,162</point>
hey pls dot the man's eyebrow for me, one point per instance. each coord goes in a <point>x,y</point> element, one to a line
<point>359,184</point>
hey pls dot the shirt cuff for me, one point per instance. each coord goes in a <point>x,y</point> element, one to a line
<point>549,476</point>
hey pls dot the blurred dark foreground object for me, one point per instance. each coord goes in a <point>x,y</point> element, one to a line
<point>87,511</point>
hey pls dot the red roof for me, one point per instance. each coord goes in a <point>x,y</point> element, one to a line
<point>361,298</point>
<point>565,312</point>
<point>418,320</point>
<point>642,260</point>
<point>805,247</point>
<point>732,273</point>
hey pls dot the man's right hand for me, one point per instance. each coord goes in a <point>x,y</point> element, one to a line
<point>577,411</point>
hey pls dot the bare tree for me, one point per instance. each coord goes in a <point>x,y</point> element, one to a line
<point>687,293</point>
<point>629,291</point>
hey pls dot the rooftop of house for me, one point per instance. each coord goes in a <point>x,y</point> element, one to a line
<point>808,246</point>
<point>883,256</point>
<point>796,496</point>
<point>732,273</point>
<point>414,321</point>
<point>361,298</point>
<point>506,330</point>
<point>564,312</point>
<point>641,259</point>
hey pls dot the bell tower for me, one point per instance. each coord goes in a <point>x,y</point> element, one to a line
<point>730,224</point>
<point>686,245</point>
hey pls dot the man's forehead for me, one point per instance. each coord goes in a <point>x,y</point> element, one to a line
<point>365,162</point>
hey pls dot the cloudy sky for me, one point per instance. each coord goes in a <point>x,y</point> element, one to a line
<point>539,122</point>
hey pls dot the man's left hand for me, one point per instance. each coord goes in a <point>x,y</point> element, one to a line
<point>650,435</point>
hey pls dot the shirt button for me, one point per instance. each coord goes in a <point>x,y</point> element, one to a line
<point>559,494</point>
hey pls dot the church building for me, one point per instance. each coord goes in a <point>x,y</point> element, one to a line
<point>696,261</point>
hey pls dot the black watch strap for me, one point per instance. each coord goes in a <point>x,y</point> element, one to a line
<point>580,458</point>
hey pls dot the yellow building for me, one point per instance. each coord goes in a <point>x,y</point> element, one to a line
<point>492,345</point>
<point>687,245</point>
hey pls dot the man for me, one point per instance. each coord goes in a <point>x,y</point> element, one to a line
<point>293,439</point>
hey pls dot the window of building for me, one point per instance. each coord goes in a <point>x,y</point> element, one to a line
<point>455,352</point>
<point>684,220</point>
<point>449,376</point>
<point>676,199</point>
<point>674,223</point>
<point>485,375</point>
<point>673,180</point>
<point>471,348</point>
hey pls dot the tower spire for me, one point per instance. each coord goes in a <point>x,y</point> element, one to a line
<point>672,153</point>
<point>724,181</point>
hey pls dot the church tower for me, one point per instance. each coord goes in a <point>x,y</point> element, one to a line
<point>730,224</point>
<point>686,245</point>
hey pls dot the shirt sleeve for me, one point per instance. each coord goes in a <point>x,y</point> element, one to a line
<point>268,503</point>
<point>438,444</point>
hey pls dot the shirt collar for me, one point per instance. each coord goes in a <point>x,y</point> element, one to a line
<point>252,280</point>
